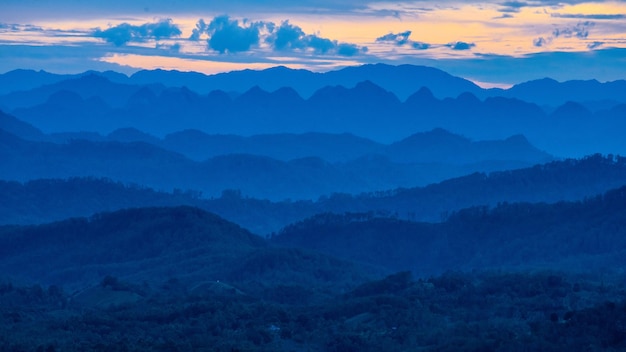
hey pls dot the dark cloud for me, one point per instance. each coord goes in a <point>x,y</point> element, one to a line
<point>420,45</point>
<point>512,6</point>
<point>226,35</point>
<point>460,45</point>
<point>590,16</point>
<point>322,45</point>
<point>13,27</point>
<point>201,27</point>
<point>398,39</point>
<point>174,48</point>
<point>595,45</point>
<point>229,35</point>
<point>581,31</point>
<point>541,41</point>
<point>515,4</point>
<point>124,33</point>
<point>288,37</point>
<point>504,15</point>
<point>345,49</point>
<point>401,39</point>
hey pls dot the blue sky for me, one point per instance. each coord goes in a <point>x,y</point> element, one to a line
<point>489,42</point>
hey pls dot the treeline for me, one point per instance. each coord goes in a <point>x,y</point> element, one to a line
<point>541,311</point>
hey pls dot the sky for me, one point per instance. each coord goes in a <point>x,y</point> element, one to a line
<point>493,43</point>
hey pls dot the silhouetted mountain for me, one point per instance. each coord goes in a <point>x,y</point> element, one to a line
<point>441,146</point>
<point>303,177</point>
<point>67,108</point>
<point>331,147</point>
<point>555,181</point>
<point>90,85</point>
<point>23,80</point>
<point>155,235</point>
<point>49,200</point>
<point>366,110</point>
<point>365,107</point>
<point>552,93</point>
<point>20,128</point>
<point>570,112</point>
<point>306,82</point>
<point>402,80</point>
<point>434,147</point>
<point>129,135</point>
<point>580,236</point>
<point>154,245</point>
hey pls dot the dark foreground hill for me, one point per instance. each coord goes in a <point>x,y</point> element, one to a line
<point>154,245</point>
<point>165,295</point>
<point>572,236</point>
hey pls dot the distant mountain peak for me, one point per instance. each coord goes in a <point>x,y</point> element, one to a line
<point>518,139</point>
<point>422,96</point>
<point>65,97</point>
<point>571,110</point>
<point>468,98</point>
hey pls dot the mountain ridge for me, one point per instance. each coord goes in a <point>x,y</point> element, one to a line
<point>383,75</point>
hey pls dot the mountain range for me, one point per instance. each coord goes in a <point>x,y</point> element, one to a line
<point>93,103</point>
<point>157,244</point>
<point>306,83</point>
<point>41,201</point>
<point>309,165</point>
<point>255,175</point>
<point>369,208</point>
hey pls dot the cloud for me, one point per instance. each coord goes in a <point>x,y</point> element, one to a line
<point>289,37</point>
<point>581,30</point>
<point>590,16</point>
<point>345,49</point>
<point>541,41</point>
<point>124,33</point>
<point>226,35</point>
<point>321,45</point>
<point>460,45</point>
<point>229,35</point>
<point>401,39</point>
<point>13,27</point>
<point>512,6</point>
<point>201,27</point>
<point>174,48</point>
<point>420,45</point>
<point>595,45</point>
<point>398,39</point>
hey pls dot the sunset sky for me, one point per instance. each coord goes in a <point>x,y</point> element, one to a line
<point>494,43</point>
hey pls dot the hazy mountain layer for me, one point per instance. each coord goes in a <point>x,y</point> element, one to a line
<point>366,108</point>
<point>402,80</point>
<point>49,200</point>
<point>258,175</point>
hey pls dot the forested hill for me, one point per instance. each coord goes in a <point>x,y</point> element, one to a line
<point>43,201</point>
<point>154,245</point>
<point>577,236</point>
